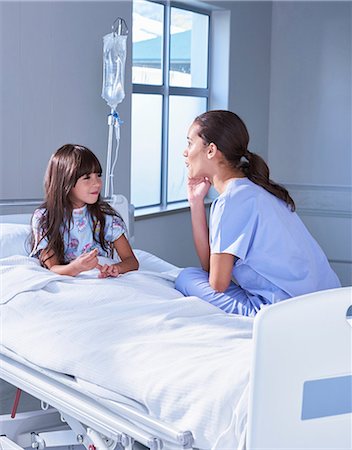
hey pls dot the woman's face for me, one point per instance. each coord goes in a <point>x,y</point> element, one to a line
<point>196,154</point>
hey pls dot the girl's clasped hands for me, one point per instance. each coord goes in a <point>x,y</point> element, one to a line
<point>107,270</point>
<point>89,261</point>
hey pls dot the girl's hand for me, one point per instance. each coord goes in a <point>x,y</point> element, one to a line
<point>86,261</point>
<point>197,189</point>
<point>108,271</point>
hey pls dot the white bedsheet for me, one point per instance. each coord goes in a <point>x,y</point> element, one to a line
<point>181,359</point>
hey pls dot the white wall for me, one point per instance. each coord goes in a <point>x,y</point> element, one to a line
<point>310,123</point>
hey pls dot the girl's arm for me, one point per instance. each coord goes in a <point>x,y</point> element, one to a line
<point>128,260</point>
<point>197,190</point>
<point>86,261</point>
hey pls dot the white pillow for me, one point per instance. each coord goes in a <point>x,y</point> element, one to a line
<point>14,239</point>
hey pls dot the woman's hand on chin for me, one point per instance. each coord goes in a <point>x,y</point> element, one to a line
<point>197,189</point>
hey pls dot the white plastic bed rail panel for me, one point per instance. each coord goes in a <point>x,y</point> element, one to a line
<point>7,444</point>
<point>298,343</point>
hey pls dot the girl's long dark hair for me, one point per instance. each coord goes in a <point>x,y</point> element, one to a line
<point>65,167</point>
<point>229,133</point>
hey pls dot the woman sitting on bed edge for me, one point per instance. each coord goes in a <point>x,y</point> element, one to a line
<point>254,235</point>
<point>74,226</point>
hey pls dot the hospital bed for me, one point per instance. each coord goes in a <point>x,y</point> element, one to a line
<point>180,374</point>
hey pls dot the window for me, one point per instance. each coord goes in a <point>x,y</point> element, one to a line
<point>170,88</point>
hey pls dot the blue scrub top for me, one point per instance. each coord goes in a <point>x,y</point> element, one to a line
<point>277,256</point>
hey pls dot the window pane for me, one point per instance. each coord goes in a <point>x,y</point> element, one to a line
<point>188,49</point>
<point>146,149</point>
<point>183,110</point>
<point>147,38</point>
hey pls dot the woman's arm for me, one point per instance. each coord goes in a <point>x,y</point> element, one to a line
<point>86,261</point>
<point>200,234</point>
<point>128,260</point>
<point>221,265</point>
<point>197,190</point>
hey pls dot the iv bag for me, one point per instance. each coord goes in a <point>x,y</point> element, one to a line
<point>113,91</point>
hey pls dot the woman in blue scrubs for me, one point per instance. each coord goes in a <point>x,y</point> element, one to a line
<point>256,251</point>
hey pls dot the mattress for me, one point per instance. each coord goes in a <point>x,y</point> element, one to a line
<point>133,340</point>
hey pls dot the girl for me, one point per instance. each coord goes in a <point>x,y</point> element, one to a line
<point>255,237</point>
<point>73,225</point>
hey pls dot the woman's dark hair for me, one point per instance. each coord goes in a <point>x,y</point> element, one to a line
<point>229,133</point>
<point>65,167</point>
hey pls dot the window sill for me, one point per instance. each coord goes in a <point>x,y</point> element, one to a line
<point>154,211</point>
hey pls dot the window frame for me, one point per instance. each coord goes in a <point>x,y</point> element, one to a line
<point>165,90</point>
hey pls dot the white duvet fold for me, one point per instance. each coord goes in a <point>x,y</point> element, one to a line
<point>184,360</point>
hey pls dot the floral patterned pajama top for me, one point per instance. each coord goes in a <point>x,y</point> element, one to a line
<point>78,238</point>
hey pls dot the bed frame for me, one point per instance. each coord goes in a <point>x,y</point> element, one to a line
<point>300,391</point>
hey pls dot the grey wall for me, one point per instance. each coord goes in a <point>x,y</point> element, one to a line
<point>310,121</point>
<point>51,80</point>
<point>168,236</point>
<point>250,68</point>
<point>310,93</point>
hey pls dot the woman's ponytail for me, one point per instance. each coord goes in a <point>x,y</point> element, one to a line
<point>257,171</point>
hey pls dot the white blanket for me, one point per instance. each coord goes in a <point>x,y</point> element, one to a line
<point>183,360</point>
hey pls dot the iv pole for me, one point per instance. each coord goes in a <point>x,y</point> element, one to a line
<point>114,59</point>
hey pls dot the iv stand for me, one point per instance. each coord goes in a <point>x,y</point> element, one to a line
<point>119,27</point>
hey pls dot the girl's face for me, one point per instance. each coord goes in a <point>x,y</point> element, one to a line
<point>196,154</point>
<point>86,190</point>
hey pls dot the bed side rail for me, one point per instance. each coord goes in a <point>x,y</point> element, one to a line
<point>301,378</point>
<point>71,403</point>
